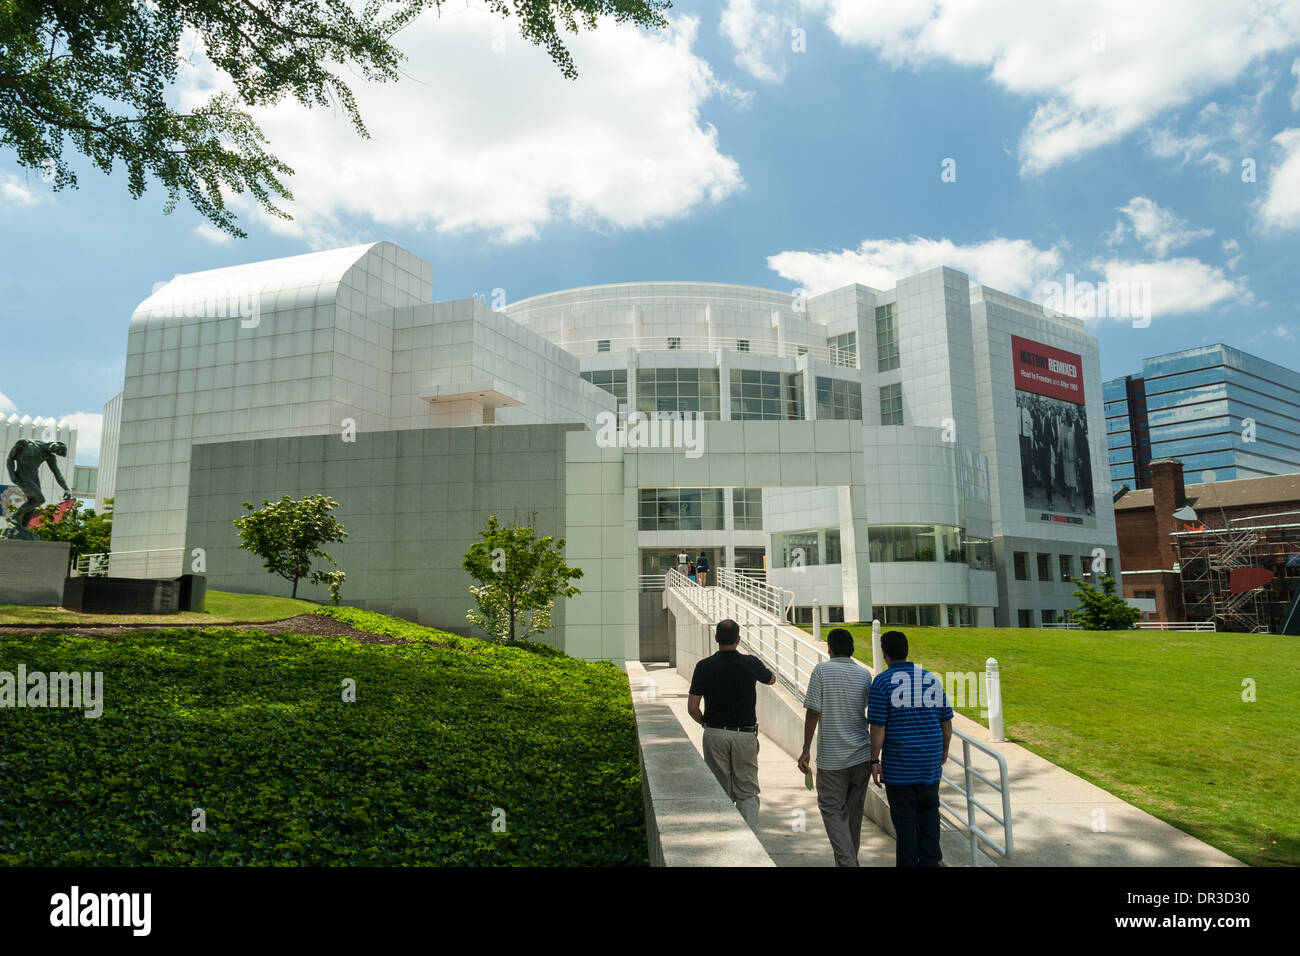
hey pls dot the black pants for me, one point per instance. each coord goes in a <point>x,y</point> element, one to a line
<point>914,808</point>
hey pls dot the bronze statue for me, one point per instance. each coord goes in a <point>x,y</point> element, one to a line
<point>24,464</point>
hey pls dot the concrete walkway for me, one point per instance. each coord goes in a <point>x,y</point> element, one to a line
<point>1058,818</point>
<point>790,825</point>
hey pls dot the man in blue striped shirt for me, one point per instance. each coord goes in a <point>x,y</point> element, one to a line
<point>911,726</point>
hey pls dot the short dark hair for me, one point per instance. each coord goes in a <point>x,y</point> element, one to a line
<point>894,645</point>
<point>840,642</point>
<point>728,632</point>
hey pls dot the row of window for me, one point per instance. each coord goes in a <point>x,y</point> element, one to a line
<point>1064,568</point>
<point>698,509</point>
<point>797,549</point>
<point>754,395</point>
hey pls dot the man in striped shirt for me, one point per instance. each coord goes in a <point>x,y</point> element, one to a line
<point>837,697</point>
<point>911,726</point>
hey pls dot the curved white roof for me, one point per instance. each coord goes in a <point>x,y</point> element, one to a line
<point>305,274</point>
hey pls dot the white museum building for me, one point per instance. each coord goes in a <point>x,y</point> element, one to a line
<point>931,454</point>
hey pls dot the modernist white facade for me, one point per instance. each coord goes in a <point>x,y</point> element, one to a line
<point>863,446</point>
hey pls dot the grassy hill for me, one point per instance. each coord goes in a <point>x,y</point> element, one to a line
<point>1155,717</point>
<point>454,752</point>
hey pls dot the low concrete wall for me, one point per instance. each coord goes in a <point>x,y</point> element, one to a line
<point>33,572</point>
<point>689,820</point>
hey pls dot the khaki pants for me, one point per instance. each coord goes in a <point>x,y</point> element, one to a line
<point>732,755</point>
<point>841,796</point>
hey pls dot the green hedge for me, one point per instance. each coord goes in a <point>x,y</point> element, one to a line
<point>253,729</point>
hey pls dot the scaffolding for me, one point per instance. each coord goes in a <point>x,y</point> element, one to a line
<point>1208,556</point>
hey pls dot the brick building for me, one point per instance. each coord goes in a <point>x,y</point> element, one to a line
<point>1227,551</point>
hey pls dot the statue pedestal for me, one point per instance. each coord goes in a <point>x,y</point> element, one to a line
<point>33,572</point>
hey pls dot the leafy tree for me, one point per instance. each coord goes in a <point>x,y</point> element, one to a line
<point>1101,609</point>
<point>87,531</point>
<point>99,73</point>
<point>520,575</point>
<point>287,535</point>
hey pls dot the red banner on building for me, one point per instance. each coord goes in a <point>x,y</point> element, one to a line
<point>1044,370</point>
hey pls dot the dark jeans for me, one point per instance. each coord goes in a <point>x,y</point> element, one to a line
<point>914,808</point>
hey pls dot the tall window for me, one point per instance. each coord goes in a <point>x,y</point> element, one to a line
<point>680,509</point>
<point>837,398</point>
<point>612,380</point>
<point>770,396</point>
<point>891,404</point>
<point>679,390</point>
<point>844,349</point>
<point>886,338</point>
<point>747,508</point>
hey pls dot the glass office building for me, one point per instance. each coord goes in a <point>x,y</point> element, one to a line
<point>1222,412</point>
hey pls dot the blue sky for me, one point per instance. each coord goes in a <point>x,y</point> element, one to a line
<point>781,143</point>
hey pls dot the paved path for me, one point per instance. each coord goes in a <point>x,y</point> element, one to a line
<point>1058,818</point>
<point>790,837</point>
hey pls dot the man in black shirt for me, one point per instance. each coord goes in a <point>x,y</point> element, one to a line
<point>726,682</point>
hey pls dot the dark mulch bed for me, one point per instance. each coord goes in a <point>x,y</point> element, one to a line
<point>319,625</point>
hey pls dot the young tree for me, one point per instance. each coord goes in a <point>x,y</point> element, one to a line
<point>520,575</point>
<point>100,76</point>
<point>87,531</point>
<point>1102,609</point>
<point>287,535</point>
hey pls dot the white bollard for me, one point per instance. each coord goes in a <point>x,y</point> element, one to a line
<point>877,658</point>
<point>817,619</point>
<point>994,683</point>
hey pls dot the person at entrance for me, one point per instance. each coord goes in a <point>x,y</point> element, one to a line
<point>726,682</point>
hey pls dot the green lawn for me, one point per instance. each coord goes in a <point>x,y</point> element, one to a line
<point>454,752</point>
<point>1156,718</point>
<point>220,607</point>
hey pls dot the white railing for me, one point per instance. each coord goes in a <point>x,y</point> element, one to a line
<point>775,601</point>
<point>1144,626</point>
<point>965,785</point>
<point>160,562</point>
<point>788,652</point>
<point>703,343</point>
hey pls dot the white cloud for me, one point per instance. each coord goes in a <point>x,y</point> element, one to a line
<point>7,406</point>
<point>1279,207</point>
<point>211,233</point>
<point>1015,266</point>
<point>1282,332</point>
<point>483,133</point>
<point>89,426</point>
<point>1177,286</point>
<point>1159,230</point>
<point>1098,69</point>
<point>1295,94</point>
<point>1232,250</point>
<point>14,190</point>
<point>759,30</point>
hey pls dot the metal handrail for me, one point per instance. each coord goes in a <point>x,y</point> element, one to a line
<point>106,563</point>
<point>787,652</point>
<point>776,601</point>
